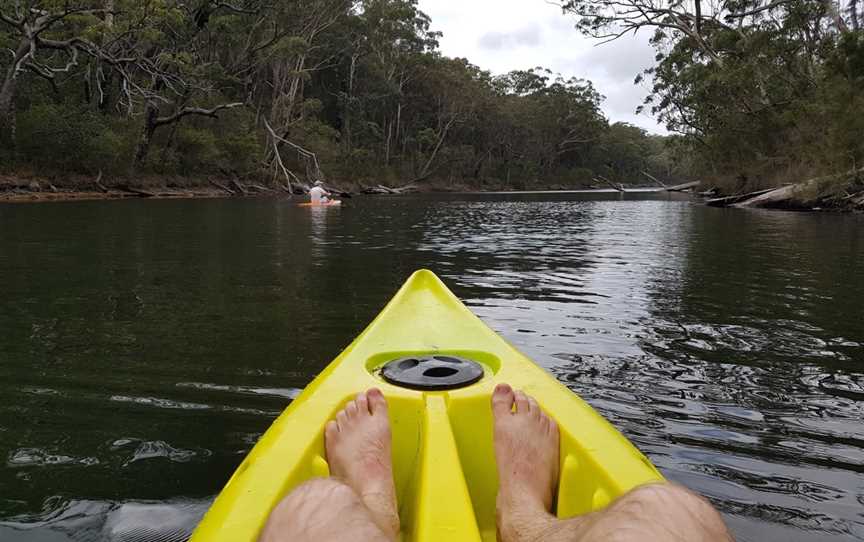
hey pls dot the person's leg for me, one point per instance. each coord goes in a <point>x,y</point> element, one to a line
<point>661,512</point>
<point>526,455</point>
<point>321,510</point>
<point>526,451</point>
<point>359,501</point>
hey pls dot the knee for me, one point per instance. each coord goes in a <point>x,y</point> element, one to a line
<point>662,497</point>
<point>677,504</point>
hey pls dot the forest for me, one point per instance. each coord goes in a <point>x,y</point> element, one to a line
<point>761,92</point>
<point>753,92</point>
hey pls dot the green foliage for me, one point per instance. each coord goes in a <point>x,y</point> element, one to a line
<point>359,84</point>
<point>760,91</point>
<point>196,149</point>
<point>60,138</point>
<point>240,152</point>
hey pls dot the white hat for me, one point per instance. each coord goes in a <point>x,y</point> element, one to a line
<point>319,183</point>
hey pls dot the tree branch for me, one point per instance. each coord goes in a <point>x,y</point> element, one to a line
<point>10,21</point>
<point>161,121</point>
<point>754,11</point>
<point>234,8</point>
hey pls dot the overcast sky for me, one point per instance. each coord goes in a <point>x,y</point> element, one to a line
<point>505,35</point>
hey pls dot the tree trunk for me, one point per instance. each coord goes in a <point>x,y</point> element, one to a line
<point>698,6</point>
<point>425,171</point>
<point>8,122</point>
<point>853,14</point>
<point>349,109</point>
<point>286,93</point>
<point>7,112</point>
<point>387,143</point>
<point>398,124</point>
<point>151,113</point>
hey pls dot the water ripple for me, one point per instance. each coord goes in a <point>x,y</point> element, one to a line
<point>728,346</point>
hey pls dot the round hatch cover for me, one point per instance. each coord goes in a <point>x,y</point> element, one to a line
<point>437,372</point>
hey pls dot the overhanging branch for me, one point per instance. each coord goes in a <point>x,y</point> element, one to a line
<point>186,111</point>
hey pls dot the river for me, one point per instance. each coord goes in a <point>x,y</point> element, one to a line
<point>146,345</point>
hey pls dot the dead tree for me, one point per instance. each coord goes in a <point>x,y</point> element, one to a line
<point>29,23</point>
<point>309,159</point>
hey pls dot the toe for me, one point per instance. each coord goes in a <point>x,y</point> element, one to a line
<point>377,403</point>
<point>351,409</point>
<point>342,420</point>
<point>533,408</point>
<point>553,427</point>
<point>502,400</point>
<point>522,405</point>
<point>331,432</point>
<point>544,421</point>
<point>362,403</point>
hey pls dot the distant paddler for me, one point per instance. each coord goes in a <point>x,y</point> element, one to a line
<point>319,196</point>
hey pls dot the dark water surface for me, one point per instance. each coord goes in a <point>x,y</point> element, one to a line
<point>146,345</point>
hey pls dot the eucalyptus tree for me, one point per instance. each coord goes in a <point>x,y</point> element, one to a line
<point>45,39</point>
<point>749,83</point>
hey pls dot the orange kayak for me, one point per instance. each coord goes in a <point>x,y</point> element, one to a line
<point>332,203</point>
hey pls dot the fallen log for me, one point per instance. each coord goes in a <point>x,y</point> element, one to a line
<point>136,191</point>
<point>378,189</point>
<point>381,189</point>
<point>655,179</point>
<point>726,201</point>
<point>802,195</point>
<point>617,187</point>
<point>683,187</point>
<point>97,182</point>
<point>238,187</point>
<point>258,188</point>
<point>775,195</point>
<point>221,186</point>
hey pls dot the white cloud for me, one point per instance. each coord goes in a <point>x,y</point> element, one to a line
<point>529,36</point>
<point>505,35</point>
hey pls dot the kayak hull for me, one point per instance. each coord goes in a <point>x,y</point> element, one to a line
<point>443,459</point>
<point>332,203</point>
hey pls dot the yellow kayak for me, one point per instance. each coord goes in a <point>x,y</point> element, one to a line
<point>437,364</point>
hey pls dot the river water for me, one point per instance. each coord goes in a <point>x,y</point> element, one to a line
<point>146,345</point>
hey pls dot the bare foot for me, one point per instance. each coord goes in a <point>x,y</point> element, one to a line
<point>526,451</point>
<point>358,451</point>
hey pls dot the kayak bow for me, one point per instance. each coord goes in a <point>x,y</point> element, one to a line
<point>443,459</point>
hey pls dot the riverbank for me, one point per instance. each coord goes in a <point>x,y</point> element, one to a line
<point>21,188</point>
<point>33,188</point>
<point>841,193</point>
